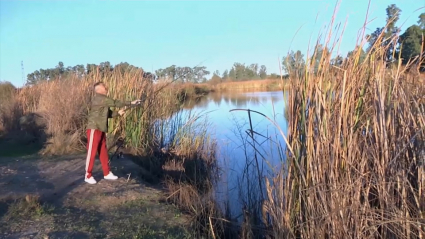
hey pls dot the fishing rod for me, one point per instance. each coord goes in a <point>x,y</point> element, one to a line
<point>120,141</point>
<point>144,97</point>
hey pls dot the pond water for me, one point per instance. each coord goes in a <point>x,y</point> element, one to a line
<point>239,162</point>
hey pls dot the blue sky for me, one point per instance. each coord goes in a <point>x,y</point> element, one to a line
<point>157,34</point>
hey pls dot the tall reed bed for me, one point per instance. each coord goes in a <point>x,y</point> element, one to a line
<point>175,146</point>
<point>64,103</point>
<point>355,152</point>
<point>8,106</point>
<point>194,174</point>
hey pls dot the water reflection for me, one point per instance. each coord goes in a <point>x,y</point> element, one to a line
<point>241,164</point>
<point>239,100</point>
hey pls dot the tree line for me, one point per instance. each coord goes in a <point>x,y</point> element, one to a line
<point>241,72</point>
<point>198,74</point>
<point>79,71</point>
<point>406,47</point>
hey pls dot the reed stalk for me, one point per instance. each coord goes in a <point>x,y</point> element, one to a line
<point>355,152</point>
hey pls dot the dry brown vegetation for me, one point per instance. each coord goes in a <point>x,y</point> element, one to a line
<point>170,146</point>
<point>62,107</point>
<point>355,153</point>
<point>250,85</point>
<point>47,198</point>
<point>355,146</point>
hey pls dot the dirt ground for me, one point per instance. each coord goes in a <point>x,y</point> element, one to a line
<point>48,198</point>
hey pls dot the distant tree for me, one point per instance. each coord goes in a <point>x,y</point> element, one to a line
<point>293,64</point>
<point>240,72</point>
<point>125,67</point>
<point>79,71</point>
<point>320,52</point>
<point>252,71</point>
<point>166,74</point>
<point>176,73</point>
<point>91,68</point>
<point>225,75</point>
<point>199,73</point>
<point>373,38</point>
<point>47,74</point>
<point>361,54</point>
<point>105,68</point>
<point>34,78</point>
<point>171,72</point>
<point>122,67</point>
<point>186,74</point>
<point>263,72</point>
<point>179,74</point>
<point>393,15</point>
<point>160,73</point>
<point>232,74</point>
<point>389,37</point>
<point>59,71</point>
<point>411,43</point>
<point>215,79</point>
<point>421,21</point>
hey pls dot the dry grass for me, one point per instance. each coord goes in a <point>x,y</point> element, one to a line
<point>63,106</point>
<point>8,107</point>
<point>356,152</point>
<point>25,208</point>
<point>190,173</point>
<point>173,144</point>
<point>251,85</point>
<point>207,217</point>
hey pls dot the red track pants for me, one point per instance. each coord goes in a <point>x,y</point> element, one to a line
<point>96,144</point>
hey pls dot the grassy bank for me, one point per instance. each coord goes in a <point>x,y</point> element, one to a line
<point>176,151</point>
<point>38,201</point>
<point>249,86</point>
<point>55,111</point>
<point>192,92</point>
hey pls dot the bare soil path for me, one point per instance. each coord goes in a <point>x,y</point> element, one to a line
<point>67,207</point>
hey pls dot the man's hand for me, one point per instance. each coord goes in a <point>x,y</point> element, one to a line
<point>121,112</point>
<point>135,102</point>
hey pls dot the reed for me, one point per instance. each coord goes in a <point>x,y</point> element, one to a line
<point>8,107</point>
<point>174,147</point>
<point>190,172</point>
<point>63,105</point>
<point>355,152</point>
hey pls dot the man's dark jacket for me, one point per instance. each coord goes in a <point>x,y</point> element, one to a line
<point>100,111</point>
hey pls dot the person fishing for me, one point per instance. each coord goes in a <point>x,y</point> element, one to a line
<point>97,127</point>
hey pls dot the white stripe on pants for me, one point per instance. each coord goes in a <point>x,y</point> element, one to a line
<point>89,150</point>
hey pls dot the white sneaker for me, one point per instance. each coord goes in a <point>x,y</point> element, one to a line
<point>110,176</point>
<point>90,180</point>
